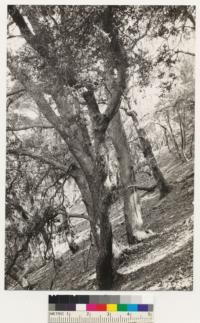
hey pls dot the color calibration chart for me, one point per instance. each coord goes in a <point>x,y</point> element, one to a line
<point>100,309</point>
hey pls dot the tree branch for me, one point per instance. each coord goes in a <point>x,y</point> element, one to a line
<point>40,48</point>
<point>15,92</point>
<point>77,215</point>
<point>129,112</point>
<point>25,31</point>
<point>162,126</point>
<point>184,52</point>
<point>119,62</point>
<point>28,127</point>
<point>144,188</point>
<point>96,116</point>
<point>43,159</point>
<point>74,144</point>
<point>190,16</point>
<point>34,228</point>
<point>38,97</point>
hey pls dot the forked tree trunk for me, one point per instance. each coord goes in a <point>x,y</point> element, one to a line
<point>132,208</point>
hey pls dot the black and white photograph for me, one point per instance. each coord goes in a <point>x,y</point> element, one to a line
<point>100,114</point>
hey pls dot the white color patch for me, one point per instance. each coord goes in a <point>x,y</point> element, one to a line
<point>80,307</point>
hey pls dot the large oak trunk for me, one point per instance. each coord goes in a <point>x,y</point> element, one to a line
<point>104,266</point>
<point>97,200</point>
<point>102,197</point>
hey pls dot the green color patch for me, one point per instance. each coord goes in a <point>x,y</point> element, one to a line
<point>121,307</point>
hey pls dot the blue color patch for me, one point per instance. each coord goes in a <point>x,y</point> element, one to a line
<point>143,308</point>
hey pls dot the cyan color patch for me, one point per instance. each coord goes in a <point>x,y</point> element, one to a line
<point>132,307</point>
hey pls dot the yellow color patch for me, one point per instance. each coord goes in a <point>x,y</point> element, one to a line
<point>112,307</point>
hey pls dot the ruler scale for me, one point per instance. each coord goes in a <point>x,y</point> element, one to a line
<point>99,309</point>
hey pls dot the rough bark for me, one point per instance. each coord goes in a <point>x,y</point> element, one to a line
<point>101,197</point>
<point>104,266</point>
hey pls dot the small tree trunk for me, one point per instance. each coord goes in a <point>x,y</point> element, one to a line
<point>167,141</point>
<point>182,134</point>
<point>181,129</point>
<point>176,146</point>
<point>149,155</point>
<point>132,208</point>
<point>165,130</point>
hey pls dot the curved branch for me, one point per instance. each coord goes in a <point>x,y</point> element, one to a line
<point>43,159</point>
<point>184,52</point>
<point>15,92</point>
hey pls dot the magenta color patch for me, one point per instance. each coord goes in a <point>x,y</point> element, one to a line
<point>90,307</point>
